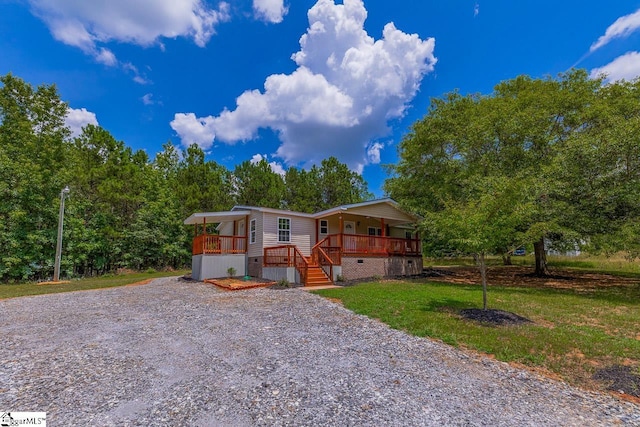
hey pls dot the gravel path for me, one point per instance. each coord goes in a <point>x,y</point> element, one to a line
<point>179,353</point>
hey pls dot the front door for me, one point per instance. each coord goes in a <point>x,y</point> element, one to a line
<point>349,243</point>
<point>349,227</point>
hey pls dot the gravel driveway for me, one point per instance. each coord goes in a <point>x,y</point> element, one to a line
<point>180,353</point>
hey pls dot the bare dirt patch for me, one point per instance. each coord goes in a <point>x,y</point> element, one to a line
<point>521,276</point>
<point>239,283</point>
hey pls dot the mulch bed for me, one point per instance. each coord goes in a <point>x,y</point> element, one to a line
<point>621,379</point>
<point>493,317</point>
<point>239,283</point>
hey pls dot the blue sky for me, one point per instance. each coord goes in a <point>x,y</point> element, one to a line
<point>297,81</point>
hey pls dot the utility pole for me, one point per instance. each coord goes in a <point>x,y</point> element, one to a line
<point>56,267</point>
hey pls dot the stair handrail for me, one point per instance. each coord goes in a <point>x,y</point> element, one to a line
<point>300,263</point>
<point>320,257</point>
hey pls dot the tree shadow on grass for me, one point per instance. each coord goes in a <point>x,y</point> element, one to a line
<point>447,305</point>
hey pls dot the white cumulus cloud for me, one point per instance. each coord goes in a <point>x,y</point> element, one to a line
<point>346,88</point>
<point>77,118</point>
<point>373,152</point>
<point>625,67</point>
<point>193,130</point>
<point>88,24</point>
<point>622,27</point>
<point>270,10</point>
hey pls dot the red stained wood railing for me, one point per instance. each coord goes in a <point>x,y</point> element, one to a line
<point>219,245</point>
<point>320,257</point>
<point>355,244</point>
<point>287,256</point>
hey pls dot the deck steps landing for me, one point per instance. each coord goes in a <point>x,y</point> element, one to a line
<point>317,277</point>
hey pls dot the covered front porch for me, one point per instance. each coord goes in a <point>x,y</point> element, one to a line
<point>229,245</point>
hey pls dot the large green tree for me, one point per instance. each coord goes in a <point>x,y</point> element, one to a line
<point>32,154</point>
<point>519,132</point>
<point>256,184</point>
<point>324,187</point>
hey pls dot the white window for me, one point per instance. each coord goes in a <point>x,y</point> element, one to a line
<point>284,229</point>
<point>252,231</point>
<point>324,226</point>
<point>374,231</point>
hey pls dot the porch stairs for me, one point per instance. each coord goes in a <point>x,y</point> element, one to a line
<point>316,275</point>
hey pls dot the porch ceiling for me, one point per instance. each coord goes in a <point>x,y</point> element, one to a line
<point>216,217</point>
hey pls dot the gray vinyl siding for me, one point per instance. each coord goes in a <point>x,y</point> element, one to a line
<point>256,249</point>
<point>226,229</point>
<point>302,232</point>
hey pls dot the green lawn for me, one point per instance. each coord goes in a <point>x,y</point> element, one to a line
<point>574,332</point>
<point>109,281</point>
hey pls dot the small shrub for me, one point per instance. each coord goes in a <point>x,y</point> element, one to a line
<point>284,283</point>
<point>340,278</point>
<point>231,271</point>
<point>376,278</point>
<point>150,270</point>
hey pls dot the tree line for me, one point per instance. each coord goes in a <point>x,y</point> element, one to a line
<point>548,162</point>
<point>124,209</point>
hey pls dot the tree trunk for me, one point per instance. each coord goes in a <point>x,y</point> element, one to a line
<point>541,258</point>
<point>483,274</point>
<point>506,259</point>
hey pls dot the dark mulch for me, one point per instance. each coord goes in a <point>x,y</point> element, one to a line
<point>621,379</point>
<point>280,287</point>
<point>493,317</point>
<point>435,272</point>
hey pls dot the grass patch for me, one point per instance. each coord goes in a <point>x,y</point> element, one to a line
<point>108,281</point>
<point>573,334</point>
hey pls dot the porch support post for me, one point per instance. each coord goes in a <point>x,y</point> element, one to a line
<point>317,225</point>
<point>204,239</point>
<point>383,228</point>
<point>233,238</point>
<point>341,230</point>
<point>246,234</point>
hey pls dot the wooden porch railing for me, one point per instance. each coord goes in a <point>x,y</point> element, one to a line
<point>331,247</point>
<point>355,244</point>
<point>209,244</point>
<point>287,256</point>
<point>320,257</point>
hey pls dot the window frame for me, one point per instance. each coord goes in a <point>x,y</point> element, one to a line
<point>377,232</point>
<point>252,231</point>
<point>287,230</point>
<point>326,227</point>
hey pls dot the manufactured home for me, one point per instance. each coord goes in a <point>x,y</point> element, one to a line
<point>360,240</point>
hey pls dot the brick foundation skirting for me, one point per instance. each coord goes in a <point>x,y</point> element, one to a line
<point>363,267</point>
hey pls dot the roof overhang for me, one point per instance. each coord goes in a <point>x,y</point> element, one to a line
<point>216,217</point>
<point>398,216</point>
